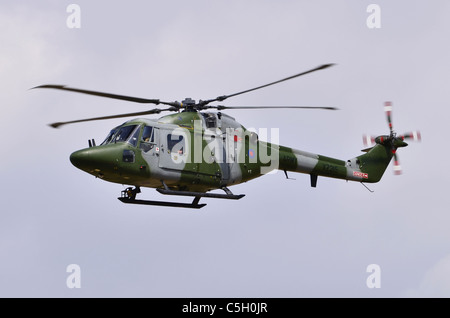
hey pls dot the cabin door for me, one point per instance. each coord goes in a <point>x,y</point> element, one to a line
<point>173,149</point>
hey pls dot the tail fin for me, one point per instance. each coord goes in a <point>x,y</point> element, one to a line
<point>375,162</point>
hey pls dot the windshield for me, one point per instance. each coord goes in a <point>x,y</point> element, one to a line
<point>109,137</point>
<point>121,134</point>
<point>124,133</point>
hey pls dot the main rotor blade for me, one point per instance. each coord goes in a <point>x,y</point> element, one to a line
<point>108,95</point>
<point>221,107</point>
<point>148,112</point>
<point>222,98</point>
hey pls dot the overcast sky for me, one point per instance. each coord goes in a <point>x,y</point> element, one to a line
<point>284,238</point>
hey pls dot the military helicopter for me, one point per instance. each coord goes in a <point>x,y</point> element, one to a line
<point>194,151</point>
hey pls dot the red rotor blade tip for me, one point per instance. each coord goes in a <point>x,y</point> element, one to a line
<point>397,167</point>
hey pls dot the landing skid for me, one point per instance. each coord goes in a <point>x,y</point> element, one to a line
<point>192,205</point>
<point>129,196</point>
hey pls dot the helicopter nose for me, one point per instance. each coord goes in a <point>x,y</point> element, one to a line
<point>80,159</point>
<point>101,162</point>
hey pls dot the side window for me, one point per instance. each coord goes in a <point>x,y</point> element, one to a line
<point>175,143</point>
<point>147,139</point>
<point>128,156</point>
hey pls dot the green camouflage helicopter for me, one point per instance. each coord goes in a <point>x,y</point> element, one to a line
<point>193,151</point>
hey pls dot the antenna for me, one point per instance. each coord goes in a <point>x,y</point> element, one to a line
<point>371,191</point>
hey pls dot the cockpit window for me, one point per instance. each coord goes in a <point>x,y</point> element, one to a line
<point>109,137</point>
<point>147,139</point>
<point>123,133</point>
<point>134,137</point>
<point>147,135</point>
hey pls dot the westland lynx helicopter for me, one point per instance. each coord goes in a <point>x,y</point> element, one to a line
<point>194,151</point>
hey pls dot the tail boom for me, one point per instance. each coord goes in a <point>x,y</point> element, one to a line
<point>368,167</point>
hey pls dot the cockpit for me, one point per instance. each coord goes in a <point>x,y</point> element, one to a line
<point>130,134</point>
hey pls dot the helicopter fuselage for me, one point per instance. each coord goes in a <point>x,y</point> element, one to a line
<point>203,151</point>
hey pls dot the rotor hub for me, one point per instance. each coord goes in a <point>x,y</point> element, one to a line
<point>188,104</point>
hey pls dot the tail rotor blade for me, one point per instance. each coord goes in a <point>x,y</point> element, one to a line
<point>388,111</point>
<point>368,140</point>
<point>414,135</point>
<point>397,167</point>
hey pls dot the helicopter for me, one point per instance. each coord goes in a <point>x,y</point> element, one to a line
<point>194,151</point>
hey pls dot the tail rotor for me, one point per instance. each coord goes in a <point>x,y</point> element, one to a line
<point>392,141</point>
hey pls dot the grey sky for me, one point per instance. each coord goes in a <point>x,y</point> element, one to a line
<point>284,239</point>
